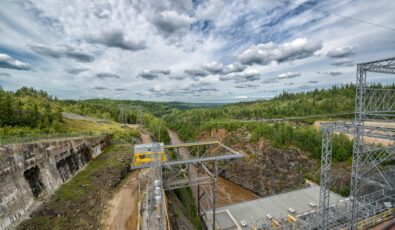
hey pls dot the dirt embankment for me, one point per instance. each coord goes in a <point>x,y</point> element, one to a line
<point>122,212</point>
<point>78,204</point>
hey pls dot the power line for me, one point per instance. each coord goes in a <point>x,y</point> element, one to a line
<point>346,17</point>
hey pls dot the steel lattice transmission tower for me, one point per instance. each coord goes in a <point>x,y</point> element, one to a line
<point>372,104</point>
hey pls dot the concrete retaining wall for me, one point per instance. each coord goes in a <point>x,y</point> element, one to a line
<point>31,172</point>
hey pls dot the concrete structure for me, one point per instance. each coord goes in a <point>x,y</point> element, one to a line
<point>31,172</point>
<point>265,210</point>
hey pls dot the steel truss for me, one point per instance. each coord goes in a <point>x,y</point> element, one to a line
<point>183,170</point>
<point>371,104</point>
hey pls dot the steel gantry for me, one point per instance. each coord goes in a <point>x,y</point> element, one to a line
<point>173,167</point>
<point>374,110</point>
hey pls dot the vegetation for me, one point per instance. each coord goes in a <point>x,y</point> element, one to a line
<point>283,135</point>
<point>28,111</point>
<point>78,204</point>
<point>299,133</point>
<point>317,102</point>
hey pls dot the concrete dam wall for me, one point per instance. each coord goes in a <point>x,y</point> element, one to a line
<point>29,173</point>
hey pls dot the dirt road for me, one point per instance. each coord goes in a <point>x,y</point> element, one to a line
<point>227,193</point>
<point>123,208</point>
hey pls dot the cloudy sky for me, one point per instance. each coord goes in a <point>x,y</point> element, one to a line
<point>197,51</point>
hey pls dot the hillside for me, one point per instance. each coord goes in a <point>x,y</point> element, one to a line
<point>286,152</point>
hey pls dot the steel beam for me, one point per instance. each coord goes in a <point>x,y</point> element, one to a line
<point>191,144</point>
<point>192,161</point>
<point>204,159</point>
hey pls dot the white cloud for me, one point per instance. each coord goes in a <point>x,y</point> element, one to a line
<point>115,38</point>
<point>241,97</point>
<point>267,52</point>
<point>171,21</point>
<point>153,74</point>
<point>9,63</point>
<point>62,52</point>
<point>225,44</point>
<point>288,75</point>
<point>341,52</point>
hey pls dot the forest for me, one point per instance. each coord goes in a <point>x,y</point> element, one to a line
<point>30,111</point>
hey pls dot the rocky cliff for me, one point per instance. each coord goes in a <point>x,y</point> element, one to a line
<point>29,173</point>
<point>266,170</point>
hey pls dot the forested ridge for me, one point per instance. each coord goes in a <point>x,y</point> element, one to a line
<point>27,111</point>
<point>335,103</point>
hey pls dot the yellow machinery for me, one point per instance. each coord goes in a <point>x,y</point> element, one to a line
<point>376,219</point>
<point>147,153</point>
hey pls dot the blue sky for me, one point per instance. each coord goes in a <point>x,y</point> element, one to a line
<point>196,51</point>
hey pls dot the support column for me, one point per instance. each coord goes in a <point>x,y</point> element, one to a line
<point>358,145</point>
<point>325,182</point>
<point>214,190</point>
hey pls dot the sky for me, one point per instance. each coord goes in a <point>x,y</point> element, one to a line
<point>193,51</point>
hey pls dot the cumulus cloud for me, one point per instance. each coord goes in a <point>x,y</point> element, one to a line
<point>116,39</point>
<point>246,86</point>
<point>345,63</point>
<point>106,75</point>
<point>171,21</point>
<point>199,89</point>
<point>197,72</point>
<point>241,97</point>
<point>267,52</point>
<point>194,89</point>
<point>62,52</point>
<point>288,75</point>
<point>76,71</point>
<point>341,52</point>
<point>234,68</point>
<point>270,80</point>
<point>153,74</point>
<point>8,62</point>
<point>245,76</point>
<point>177,77</point>
<point>331,73</point>
<point>100,88</point>
<point>213,67</point>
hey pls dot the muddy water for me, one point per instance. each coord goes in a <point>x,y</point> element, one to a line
<point>227,193</point>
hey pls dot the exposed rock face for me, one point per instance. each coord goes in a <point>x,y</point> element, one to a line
<point>29,172</point>
<point>266,170</point>
<point>270,171</point>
